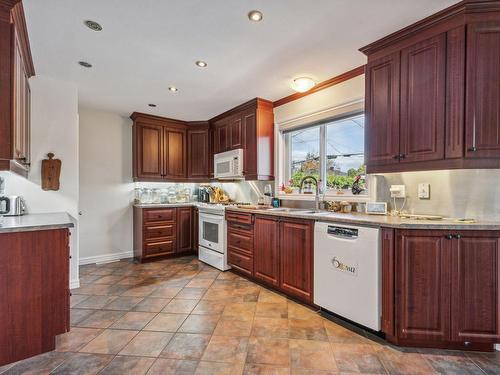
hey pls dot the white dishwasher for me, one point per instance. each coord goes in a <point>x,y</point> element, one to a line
<point>347,272</point>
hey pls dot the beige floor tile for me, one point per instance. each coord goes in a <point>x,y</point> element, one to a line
<point>240,310</point>
<point>123,303</point>
<point>268,351</point>
<point>214,368</point>
<point>140,291</point>
<point>191,293</point>
<point>231,327</point>
<point>82,364</point>
<point>75,339</point>
<point>200,324</point>
<point>168,292</point>
<point>271,297</point>
<point>297,311</point>
<point>110,341</point>
<point>226,349</point>
<point>270,327</point>
<point>186,346</point>
<point>75,299</point>
<point>180,306</point>
<point>95,302</point>
<point>133,320</point>
<point>172,367</point>
<point>101,319</point>
<point>166,322</point>
<point>209,308</point>
<point>151,304</point>
<point>255,369</point>
<point>312,329</point>
<point>110,280</point>
<point>338,334</point>
<point>121,365</point>
<point>357,358</point>
<point>272,309</point>
<point>147,344</point>
<point>200,283</point>
<point>311,354</point>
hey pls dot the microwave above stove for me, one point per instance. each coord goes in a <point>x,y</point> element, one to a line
<point>229,165</point>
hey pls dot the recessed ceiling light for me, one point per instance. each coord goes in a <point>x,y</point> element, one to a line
<point>173,89</point>
<point>255,16</point>
<point>92,25</point>
<point>152,105</point>
<point>201,63</point>
<point>85,64</point>
<point>303,84</point>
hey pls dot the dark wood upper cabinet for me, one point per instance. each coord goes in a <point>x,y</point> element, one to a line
<point>266,250</point>
<point>446,109</point>
<point>159,148</point>
<point>198,151</point>
<point>236,131</point>
<point>296,258</point>
<point>483,90</point>
<point>15,93</point>
<point>423,279</point>
<point>222,141</point>
<point>148,151</point>
<point>185,226</point>
<point>382,110</point>
<point>175,153</point>
<point>475,287</point>
<point>423,78</point>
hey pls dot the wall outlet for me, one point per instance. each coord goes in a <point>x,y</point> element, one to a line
<point>424,191</point>
<point>398,191</point>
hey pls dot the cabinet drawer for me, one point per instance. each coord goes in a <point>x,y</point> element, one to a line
<point>240,261</point>
<point>246,229</point>
<point>240,241</point>
<point>239,217</point>
<point>159,231</point>
<point>161,214</point>
<point>159,248</point>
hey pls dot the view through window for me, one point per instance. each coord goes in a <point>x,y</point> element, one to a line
<point>332,152</point>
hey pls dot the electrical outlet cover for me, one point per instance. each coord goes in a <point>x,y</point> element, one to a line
<point>398,191</point>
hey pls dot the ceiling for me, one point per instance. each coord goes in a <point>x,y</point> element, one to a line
<point>148,45</point>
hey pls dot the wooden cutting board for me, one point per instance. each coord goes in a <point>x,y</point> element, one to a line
<point>51,171</point>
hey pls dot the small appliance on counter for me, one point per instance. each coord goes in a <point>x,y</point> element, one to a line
<point>204,194</point>
<point>12,205</point>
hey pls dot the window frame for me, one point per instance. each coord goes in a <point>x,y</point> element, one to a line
<point>284,162</point>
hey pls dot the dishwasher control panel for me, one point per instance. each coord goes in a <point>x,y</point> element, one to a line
<point>342,232</point>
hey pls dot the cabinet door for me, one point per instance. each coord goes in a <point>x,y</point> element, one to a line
<point>266,250</point>
<point>250,160</point>
<point>198,153</point>
<point>476,288</point>
<point>296,258</point>
<point>222,140</point>
<point>423,98</point>
<point>423,277</point>
<point>483,93</point>
<point>148,151</point>
<point>236,130</point>
<point>382,110</point>
<point>175,153</point>
<point>184,229</point>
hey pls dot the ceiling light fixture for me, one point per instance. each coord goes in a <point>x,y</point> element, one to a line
<point>85,64</point>
<point>152,105</point>
<point>303,84</point>
<point>255,16</point>
<point>201,64</point>
<point>92,25</point>
<point>173,89</point>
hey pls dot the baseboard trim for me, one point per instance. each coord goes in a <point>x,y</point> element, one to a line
<point>73,284</point>
<point>106,258</point>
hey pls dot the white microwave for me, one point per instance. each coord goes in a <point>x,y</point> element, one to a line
<point>229,165</point>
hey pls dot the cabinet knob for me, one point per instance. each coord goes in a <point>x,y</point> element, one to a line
<point>472,149</point>
<point>457,236</point>
<point>396,157</point>
<point>449,236</point>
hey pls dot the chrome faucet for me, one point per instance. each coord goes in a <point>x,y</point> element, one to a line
<point>316,198</point>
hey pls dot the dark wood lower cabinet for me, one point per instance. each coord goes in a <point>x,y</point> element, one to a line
<point>296,258</point>
<point>281,253</point>
<point>34,292</point>
<point>163,232</point>
<point>441,288</point>
<point>266,250</point>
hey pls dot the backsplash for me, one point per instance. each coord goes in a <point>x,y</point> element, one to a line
<point>453,193</point>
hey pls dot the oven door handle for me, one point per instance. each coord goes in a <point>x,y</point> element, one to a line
<point>204,215</point>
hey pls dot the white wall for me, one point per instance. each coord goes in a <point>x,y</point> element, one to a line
<point>106,186</point>
<point>54,128</point>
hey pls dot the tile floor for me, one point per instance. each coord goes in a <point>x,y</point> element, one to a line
<point>182,317</point>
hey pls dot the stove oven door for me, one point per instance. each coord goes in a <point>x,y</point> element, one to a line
<point>211,232</point>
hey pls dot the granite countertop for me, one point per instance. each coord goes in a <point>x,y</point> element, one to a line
<point>33,222</point>
<point>376,220</point>
<point>166,205</point>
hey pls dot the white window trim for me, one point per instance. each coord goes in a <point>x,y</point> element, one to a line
<point>280,153</point>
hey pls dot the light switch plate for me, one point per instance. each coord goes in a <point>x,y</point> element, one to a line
<point>424,191</point>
